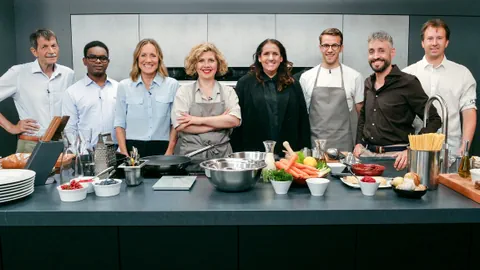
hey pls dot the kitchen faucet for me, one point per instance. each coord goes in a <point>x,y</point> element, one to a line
<point>444,108</point>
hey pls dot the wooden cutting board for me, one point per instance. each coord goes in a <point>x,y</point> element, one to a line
<point>461,185</point>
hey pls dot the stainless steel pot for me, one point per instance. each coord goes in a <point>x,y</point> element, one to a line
<point>233,174</point>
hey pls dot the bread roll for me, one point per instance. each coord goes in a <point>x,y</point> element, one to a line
<point>15,161</point>
<point>415,177</point>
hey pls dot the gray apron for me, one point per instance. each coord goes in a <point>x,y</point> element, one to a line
<point>191,142</point>
<point>330,117</point>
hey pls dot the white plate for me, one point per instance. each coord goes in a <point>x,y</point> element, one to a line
<point>9,176</point>
<point>23,186</point>
<point>16,184</point>
<point>388,185</point>
<point>16,197</point>
<point>15,192</point>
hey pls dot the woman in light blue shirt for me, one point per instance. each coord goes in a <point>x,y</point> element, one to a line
<point>144,104</point>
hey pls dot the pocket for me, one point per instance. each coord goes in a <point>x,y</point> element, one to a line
<point>135,107</point>
<point>163,105</point>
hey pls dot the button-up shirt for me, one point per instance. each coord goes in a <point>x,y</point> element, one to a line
<point>91,107</point>
<point>36,96</point>
<point>388,114</point>
<point>183,100</point>
<point>145,114</point>
<point>455,84</point>
<point>353,83</point>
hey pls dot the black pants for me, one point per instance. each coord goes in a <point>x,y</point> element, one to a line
<point>148,148</point>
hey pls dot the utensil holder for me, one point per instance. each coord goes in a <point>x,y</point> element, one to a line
<point>427,165</point>
<point>133,174</point>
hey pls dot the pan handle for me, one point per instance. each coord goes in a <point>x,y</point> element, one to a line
<point>201,150</point>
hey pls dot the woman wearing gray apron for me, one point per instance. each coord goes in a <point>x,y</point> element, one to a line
<point>205,112</point>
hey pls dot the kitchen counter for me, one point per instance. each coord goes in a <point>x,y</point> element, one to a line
<point>203,205</point>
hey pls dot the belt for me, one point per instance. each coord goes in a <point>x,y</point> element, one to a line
<point>383,149</point>
<point>29,138</point>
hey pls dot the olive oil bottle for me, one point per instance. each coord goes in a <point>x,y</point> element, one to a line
<point>464,168</point>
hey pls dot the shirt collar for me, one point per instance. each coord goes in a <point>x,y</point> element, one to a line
<point>216,89</point>
<point>89,81</point>
<point>37,69</point>
<point>157,80</point>
<point>395,72</point>
<point>425,64</point>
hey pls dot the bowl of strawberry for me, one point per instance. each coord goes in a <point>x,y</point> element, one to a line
<point>87,181</point>
<point>368,169</point>
<point>369,185</point>
<point>73,191</point>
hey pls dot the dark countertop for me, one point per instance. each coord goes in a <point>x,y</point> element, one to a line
<point>203,205</point>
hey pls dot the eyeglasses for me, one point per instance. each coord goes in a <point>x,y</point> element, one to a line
<point>334,46</point>
<point>94,58</point>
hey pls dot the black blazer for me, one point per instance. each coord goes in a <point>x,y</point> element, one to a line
<point>292,113</point>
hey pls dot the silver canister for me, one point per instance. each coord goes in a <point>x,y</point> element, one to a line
<point>133,174</point>
<point>427,165</point>
<point>104,153</point>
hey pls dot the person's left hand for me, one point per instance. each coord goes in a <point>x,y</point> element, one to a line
<point>461,150</point>
<point>189,120</point>
<point>401,161</point>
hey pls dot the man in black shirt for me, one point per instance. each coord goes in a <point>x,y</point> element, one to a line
<point>392,100</point>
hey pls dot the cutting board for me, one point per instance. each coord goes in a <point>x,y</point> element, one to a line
<point>461,185</point>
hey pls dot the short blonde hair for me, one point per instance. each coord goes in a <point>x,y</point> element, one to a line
<point>135,72</point>
<point>192,59</point>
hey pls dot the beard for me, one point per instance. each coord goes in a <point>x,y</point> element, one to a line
<point>386,64</point>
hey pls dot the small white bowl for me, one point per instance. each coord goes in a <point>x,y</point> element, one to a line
<point>475,173</point>
<point>281,187</point>
<point>73,195</point>
<point>369,189</point>
<point>317,186</point>
<point>88,184</point>
<point>336,168</point>
<point>107,190</point>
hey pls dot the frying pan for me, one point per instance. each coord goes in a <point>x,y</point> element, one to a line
<point>162,163</point>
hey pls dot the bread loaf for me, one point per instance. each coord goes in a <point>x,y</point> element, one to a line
<point>415,177</point>
<point>15,161</point>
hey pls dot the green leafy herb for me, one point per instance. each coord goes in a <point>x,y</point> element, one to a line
<point>321,165</point>
<point>277,175</point>
<point>301,157</point>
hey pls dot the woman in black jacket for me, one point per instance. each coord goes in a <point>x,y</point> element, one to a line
<point>272,103</point>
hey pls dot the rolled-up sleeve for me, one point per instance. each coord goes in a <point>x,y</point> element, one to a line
<point>469,95</point>
<point>8,83</point>
<point>121,108</point>
<point>231,103</point>
<point>181,103</point>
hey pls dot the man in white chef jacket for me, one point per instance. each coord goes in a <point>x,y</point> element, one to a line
<point>334,94</point>
<point>452,81</point>
<point>90,102</point>
<point>37,89</point>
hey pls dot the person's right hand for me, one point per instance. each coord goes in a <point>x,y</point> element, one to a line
<point>358,150</point>
<point>26,125</point>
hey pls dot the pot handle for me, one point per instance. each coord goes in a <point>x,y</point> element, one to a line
<point>201,150</point>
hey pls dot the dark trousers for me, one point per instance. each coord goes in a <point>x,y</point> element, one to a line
<point>148,148</point>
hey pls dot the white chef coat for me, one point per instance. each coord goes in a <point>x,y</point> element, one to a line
<point>36,96</point>
<point>455,84</point>
<point>91,107</point>
<point>353,81</point>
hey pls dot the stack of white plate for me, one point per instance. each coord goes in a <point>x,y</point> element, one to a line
<point>15,184</point>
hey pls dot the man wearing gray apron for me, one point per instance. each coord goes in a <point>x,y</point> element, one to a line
<point>334,95</point>
<point>190,142</point>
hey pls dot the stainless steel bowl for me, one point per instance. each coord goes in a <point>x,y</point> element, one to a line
<point>233,174</point>
<point>249,155</point>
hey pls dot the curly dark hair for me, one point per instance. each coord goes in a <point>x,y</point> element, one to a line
<point>284,69</point>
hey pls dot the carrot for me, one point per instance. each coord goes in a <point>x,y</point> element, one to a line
<point>292,160</point>
<point>294,174</point>
<point>299,172</point>
<point>280,165</point>
<point>303,166</point>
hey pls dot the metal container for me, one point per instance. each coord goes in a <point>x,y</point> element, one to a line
<point>249,155</point>
<point>427,165</point>
<point>233,174</point>
<point>104,153</point>
<point>133,174</point>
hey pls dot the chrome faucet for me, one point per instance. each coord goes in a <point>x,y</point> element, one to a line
<point>444,108</point>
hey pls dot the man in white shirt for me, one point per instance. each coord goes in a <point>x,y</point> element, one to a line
<point>452,81</point>
<point>37,88</point>
<point>90,102</point>
<point>334,94</point>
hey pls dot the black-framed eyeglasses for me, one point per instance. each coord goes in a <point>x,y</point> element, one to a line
<point>93,58</point>
<point>334,46</point>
